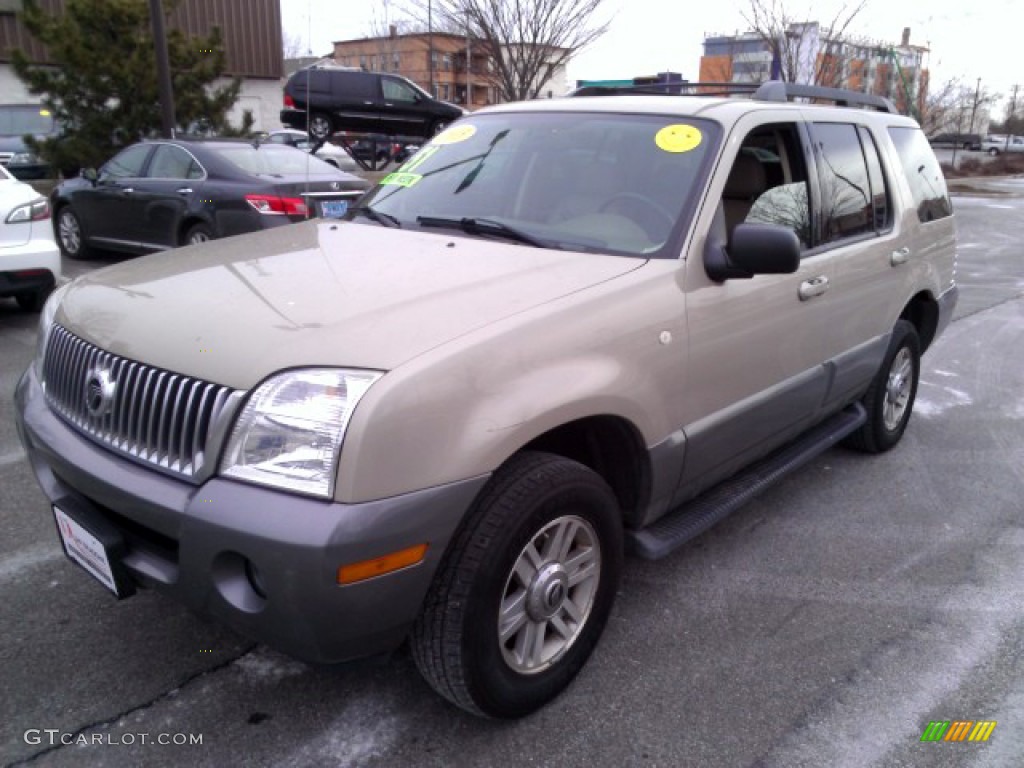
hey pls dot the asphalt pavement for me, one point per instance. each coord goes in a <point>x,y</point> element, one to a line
<point>827,623</point>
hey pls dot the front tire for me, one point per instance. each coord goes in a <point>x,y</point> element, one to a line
<point>70,238</point>
<point>525,589</point>
<point>890,399</point>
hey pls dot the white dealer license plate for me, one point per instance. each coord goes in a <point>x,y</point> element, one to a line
<point>86,550</point>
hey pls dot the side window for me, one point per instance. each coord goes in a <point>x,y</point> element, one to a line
<point>170,162</point>
<point>768,182</point>
<point>846,202</point>
<point>128,163</point>
<point>355,87</point>
<point>881,209</point>
<point>927,184</point>
<point>395,90</point>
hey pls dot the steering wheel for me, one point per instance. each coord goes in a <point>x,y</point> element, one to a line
<point>645,207</point>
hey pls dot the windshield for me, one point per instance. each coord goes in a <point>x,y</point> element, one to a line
<point>17,121</point>
<point>610,183</point>
<point>274,160</point>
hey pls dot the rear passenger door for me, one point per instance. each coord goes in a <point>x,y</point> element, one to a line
<point>861,240</point>
<point>355,100</point>
<point>173,184</point>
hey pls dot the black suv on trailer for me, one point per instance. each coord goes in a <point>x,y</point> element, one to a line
<point>332,99</point>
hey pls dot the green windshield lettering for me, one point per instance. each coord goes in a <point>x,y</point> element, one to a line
<point>401,179</point>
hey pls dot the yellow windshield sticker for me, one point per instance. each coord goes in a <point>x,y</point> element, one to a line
<point>678,138</point>
<point>44,112</point>
<point>454,135</point>
<point>401,179</point>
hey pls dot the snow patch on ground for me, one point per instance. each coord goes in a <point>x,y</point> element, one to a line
<point>266,666</point>
<point>23,559</point>
<point>360,736</point>
<point>934,399</point>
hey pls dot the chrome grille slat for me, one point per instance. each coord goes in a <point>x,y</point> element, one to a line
<point>155,416</point>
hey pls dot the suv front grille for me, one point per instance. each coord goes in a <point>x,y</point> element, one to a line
<point>154,416</point>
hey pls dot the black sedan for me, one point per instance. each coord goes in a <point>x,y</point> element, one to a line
<point>161,194</point>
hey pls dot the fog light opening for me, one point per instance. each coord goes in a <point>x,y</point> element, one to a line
<point>252,573</point>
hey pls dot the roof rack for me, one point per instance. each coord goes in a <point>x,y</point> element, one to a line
<point>776,90</point>
<point>771,90</point>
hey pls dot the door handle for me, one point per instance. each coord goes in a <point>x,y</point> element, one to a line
<point>813,287</point>
<point>127,190</point>
<point>368,103</point>
<point>900,256</point>
<point>184,191</point>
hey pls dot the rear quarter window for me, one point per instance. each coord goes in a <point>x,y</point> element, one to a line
<point>924,176</point>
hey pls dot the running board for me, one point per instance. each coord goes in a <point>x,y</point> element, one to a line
<point>694,517</point>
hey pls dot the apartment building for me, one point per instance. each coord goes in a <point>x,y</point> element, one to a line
<point>437,63</point>
<point>809,55</point>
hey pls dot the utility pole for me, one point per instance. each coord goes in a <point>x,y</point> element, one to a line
<point>974,108</point>
<point>1011,114</point>
<point>430,44</point>
<point>163,69</point>
<point>469,66</point>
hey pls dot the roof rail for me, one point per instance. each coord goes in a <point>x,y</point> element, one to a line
<point>771,90</point>
<point>678,88</point>
<point>776,90</point>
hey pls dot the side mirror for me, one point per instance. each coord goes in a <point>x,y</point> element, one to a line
<point>754,249</point>
<point>90,175</point>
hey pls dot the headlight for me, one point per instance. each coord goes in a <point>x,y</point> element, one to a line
<point>45,323</point>
<point>290,431</point>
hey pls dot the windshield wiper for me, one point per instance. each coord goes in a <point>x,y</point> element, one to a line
<point>384,219</point>
<point>474,226</point>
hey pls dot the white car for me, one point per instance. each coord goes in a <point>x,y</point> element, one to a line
<point>329,153</point>
<point>29,259</point>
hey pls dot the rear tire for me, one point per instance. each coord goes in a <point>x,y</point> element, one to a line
<point>525,589</point>
<point>198,233</point>
<point>890,399</point>
<point>33,301</point>
<point>320,126</point>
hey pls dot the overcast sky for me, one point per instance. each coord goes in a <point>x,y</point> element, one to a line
<point>968,40</point>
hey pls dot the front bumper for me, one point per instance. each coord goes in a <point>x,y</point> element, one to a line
<point>203,544</point>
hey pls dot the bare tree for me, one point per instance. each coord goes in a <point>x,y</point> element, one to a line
<point>795,42</point>
<point>292,46</point>
<point>525,41</point>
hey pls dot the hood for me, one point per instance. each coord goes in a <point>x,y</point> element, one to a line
<point>317,293</point>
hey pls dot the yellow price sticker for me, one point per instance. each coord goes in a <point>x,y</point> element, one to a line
<point>455,134</point>
<point>678,138</point>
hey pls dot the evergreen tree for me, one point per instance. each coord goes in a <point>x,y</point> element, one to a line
<point>100,80</point>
